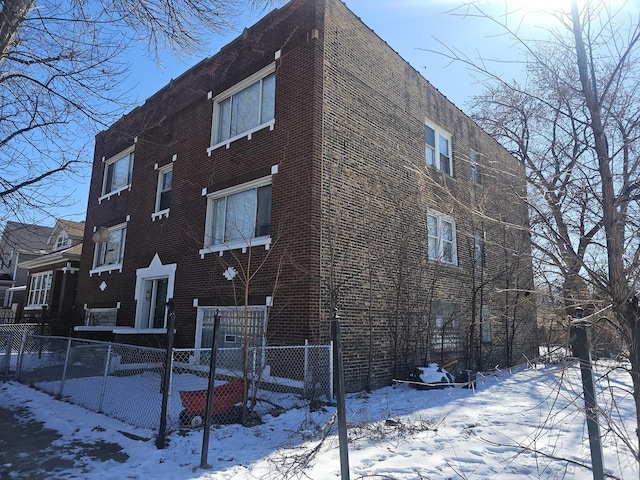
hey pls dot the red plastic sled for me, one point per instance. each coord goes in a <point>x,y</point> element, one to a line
<point>195,402</point>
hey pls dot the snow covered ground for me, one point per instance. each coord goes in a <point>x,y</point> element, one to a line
<point>523,425</point>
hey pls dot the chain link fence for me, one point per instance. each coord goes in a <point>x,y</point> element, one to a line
<point>121,381</point>
<point>11,336</point>
<point>125,381</point>
<point>277,379</point>
<point>6,339</point>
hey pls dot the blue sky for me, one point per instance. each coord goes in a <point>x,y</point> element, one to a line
<point>410,27</point>
<point>413,28</point>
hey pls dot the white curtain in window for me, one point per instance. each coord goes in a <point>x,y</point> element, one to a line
<point>240,218</point>
<point>245,110</point>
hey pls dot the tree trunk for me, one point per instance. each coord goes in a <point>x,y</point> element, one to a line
<point>11,18</point>
<point>621,294</point>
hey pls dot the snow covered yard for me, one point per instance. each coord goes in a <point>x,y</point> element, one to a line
<point>522,425</point>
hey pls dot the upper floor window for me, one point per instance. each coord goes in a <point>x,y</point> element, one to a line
<point>39,289</point>
<point>239,217</point>
<point>441,231</point>
<point>163,193</point>
<point>475,172</point>
<point>109,252</point>
<point>62,241</point>
<point>438,148</point>
<point>245,108</point>
<point>117,172</point>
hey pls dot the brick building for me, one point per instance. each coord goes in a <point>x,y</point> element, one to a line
<point>307,166</point>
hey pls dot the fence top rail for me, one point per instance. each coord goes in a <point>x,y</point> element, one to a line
<point>257,347</point>
<point>98,342</point>
<point>21,325</point>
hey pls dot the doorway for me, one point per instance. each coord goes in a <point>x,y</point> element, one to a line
<point>155,296</point>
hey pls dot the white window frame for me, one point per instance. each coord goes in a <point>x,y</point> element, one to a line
<point>39,288</point>
<point>217,140</point>
<point>97,251</point>
<point>243,243</point>
<point>437,240</point>
<point>144,276</point>
<point>433,152</point>
<point>126,155</point>
<point>162,172</point>
<point>235,313</point>
<point>62,241</point>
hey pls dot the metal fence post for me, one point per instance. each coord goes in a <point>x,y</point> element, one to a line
<point>212,375</point>
<point>305,370</point>
<point>104,378</point>
<point>8,354</point>
<point>64,370</point>
<point>331,389</point>
<point>339,377</point>
<point>166,379</point>
<point>23,344</point>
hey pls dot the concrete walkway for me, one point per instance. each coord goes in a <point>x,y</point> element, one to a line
<point>27,450</point>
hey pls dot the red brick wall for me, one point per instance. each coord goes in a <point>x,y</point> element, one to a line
<point>349,199</point>
<point>177,121</point>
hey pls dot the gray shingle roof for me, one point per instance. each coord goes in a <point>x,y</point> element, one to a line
<point>24,237</point>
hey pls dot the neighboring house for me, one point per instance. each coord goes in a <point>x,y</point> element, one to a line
<point>53,277</point>
<point>307,166</point>
<point>19,242</point>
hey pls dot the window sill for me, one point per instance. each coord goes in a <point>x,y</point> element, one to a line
<point>439,170</point>
<point>248,134</point>
<point>106,269</point>
<point>444,264</point>
<point>224,247</point>
<point>93,328</point>
<point>162,213</point>
<point>35,307</point>
<point>138,331</point>
<point>107,196</point>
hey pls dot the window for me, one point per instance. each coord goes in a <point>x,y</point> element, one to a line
<point>445,325</point>
<point>478,248</point>
<point>163,194</point>
<point>100,317</point>
<point>245,108</point>
<point>117,172</point>
<point>438,149</point>
<point>475,173</point>
<point>239,217</point>
<point>109,253</point>
<point>39,289</point>
<point>62,241</point>
<point>442,238</point>
<point>233,329</point>
<point>486,323</point>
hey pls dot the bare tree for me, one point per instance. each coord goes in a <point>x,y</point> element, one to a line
<point>576,125</point>
<point>61,74</point>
